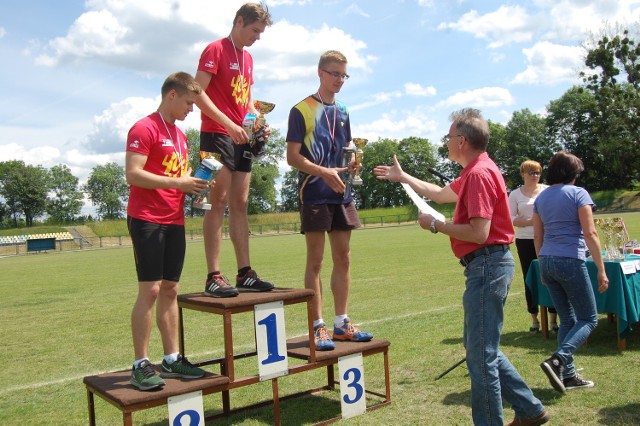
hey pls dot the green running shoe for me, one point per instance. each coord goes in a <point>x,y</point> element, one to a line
<point>145,378</point>
<point>182,368</point>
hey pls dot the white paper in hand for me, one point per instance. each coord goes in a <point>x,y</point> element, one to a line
<point>422,204</point>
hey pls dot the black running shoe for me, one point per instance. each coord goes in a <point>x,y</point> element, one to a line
<point>218,286</point>
<point>252,282</point>
<point>552,367</point>
<point>577,382</point>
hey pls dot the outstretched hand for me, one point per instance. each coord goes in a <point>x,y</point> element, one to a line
<point>392,173</point>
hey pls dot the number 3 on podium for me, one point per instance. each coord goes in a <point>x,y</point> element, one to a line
<point>352,385</point>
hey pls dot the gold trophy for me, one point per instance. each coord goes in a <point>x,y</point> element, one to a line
<point>615,237</point>
<point>359,143</point>
<point>254,126</point>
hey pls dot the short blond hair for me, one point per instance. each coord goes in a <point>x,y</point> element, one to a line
<point>530,166</point>
<point>331,56</point>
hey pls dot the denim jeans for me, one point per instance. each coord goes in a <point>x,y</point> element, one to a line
<point>570,289</point>
<point>493,377</point>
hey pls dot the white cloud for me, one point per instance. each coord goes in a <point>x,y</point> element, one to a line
<point>550,64</point>
<point>479,98</point>
<point>111,127</point>
<point>508,24</point>
<point>397,125</point>
<point>410,89</point>
<point>2,32</point>
<point>354,9</point>
<point>416,89</point>
<point>93,34</point>
<point>570,20</point>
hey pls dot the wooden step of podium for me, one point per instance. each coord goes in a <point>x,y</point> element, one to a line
<point>244,302</point>
<point>299,348</point>
<point>116,389</point>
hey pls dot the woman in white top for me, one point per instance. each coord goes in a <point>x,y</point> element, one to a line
<point>521,205</point>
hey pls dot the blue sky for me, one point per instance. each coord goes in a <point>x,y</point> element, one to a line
<point>77,74</point>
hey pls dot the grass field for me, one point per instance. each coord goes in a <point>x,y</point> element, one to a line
<point>65,315</point>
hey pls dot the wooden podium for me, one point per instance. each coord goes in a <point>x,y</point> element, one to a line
<point>115,388</point>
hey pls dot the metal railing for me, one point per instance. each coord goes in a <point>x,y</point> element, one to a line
<point>85,243</point>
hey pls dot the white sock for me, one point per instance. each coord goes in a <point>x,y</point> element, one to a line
<point>137,362</point>
<point>339,320</point>
<point>317,323</point>
<point>171,358</point>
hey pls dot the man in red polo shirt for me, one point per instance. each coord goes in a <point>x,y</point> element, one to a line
<point>480,235</point>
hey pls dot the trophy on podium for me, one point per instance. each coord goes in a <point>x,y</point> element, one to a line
<point>359,143</point>
<point>254,125</point>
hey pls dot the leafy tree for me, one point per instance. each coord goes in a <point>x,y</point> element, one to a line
<point>24,189</point>
<point>571,122</point>
<point>374,192</point>
<point>66,200</point>
<point>11,206</point>
<point>4,214</point>
<point>193,136</point>
<point>615,60</point>
<point>108,189</point>
<point>262,190</point>
<point>416,155</point>
<point>289,191</point>
<point>523,138</point>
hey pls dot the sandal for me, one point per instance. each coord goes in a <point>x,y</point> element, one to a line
<point>535,329</point>
<point>555,329</point>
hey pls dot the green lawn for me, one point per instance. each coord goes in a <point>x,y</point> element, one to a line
<point>66,315</point>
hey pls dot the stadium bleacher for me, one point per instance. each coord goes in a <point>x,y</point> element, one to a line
<point>22,239</point>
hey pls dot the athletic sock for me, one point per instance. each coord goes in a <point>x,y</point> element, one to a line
<point>171,358</point>
<point>339,320</point>
<point>137,362</point>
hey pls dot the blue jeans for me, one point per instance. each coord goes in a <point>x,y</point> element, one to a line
<point>493,377</point>
<point>570,289</point>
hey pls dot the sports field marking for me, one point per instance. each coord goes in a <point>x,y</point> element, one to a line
<point>219,353</point>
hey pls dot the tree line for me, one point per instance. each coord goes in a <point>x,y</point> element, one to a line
<point>599,121</point>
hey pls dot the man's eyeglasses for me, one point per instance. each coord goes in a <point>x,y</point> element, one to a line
<point>533,173</point>
<point>337,75</point>
<point>447,138</point>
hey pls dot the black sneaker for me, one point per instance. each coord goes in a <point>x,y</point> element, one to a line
<point>552,367</point>
<point>577,382</point>
<point>252,282</point>
<point>218,286</point>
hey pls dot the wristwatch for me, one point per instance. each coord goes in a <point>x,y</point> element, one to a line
<point>432,228</point>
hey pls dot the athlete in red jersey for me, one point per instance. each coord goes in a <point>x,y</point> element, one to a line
<point>157,162</point>
<point>225,71</point>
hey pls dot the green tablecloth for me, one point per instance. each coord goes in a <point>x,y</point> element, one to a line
<point>622,298</point>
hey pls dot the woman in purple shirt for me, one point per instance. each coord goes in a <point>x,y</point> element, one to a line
<point>563,228</point>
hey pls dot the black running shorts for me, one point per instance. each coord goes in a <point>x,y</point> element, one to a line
<point>237,158</point>
<point>158,249</point>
